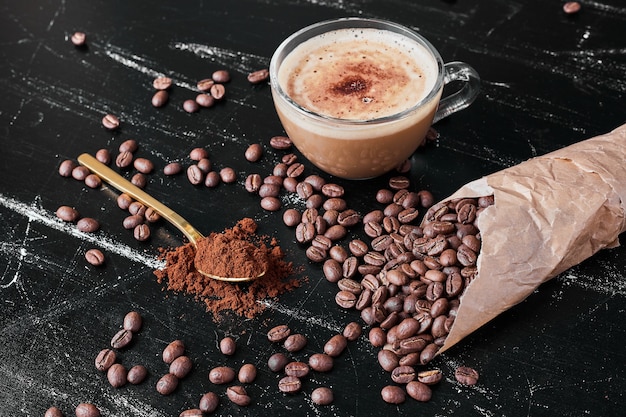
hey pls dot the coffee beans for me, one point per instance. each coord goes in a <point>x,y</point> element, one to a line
<point>393,394</point>
<point>180,367</point>
<point>160,98</point>
<point>278,333</point>
<point>167,384</point>
<point>247,373</point>
<point>290,385</point>
<point>53,412</point>
<point>228,346</point>
<point>78,38</point>
<point>257,77</point>
<point>173,350</point>
<point>87,225</point>
<point>222,375</point>
<point>209,402</point>
<point>95,257</point>
<point>322,396</point>
<point>110,122</point>
<point>116,375</point>
<point>86,410</point>
<point>121,339</point>
<point>137,374</point>
<point>321,362</point>
<point>162,83</point>
<point>466,375</point>
<point>238,395</point>
<point>419,391</point>
<point>105,359</point>
<point>571,7</point>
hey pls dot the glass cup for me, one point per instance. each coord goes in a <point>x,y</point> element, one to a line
<point>366,146</point>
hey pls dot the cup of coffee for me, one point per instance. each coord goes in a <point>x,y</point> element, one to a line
<point>357,96</point>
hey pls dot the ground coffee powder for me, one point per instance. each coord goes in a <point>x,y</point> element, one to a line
<point>235,252</point>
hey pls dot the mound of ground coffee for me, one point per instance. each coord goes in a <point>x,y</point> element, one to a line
<point>235,252</point>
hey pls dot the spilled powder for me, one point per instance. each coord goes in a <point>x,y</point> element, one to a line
<point>235,252</point>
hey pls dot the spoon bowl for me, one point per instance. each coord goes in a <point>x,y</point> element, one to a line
<point>122,184</point>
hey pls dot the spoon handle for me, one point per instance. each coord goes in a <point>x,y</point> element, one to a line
<point>122,184</point>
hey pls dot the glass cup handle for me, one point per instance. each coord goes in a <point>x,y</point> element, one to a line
<point>458,71</point>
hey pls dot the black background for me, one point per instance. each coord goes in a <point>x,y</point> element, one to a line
<point>548,80</point>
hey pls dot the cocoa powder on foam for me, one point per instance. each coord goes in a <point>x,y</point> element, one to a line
<point>235,252</point>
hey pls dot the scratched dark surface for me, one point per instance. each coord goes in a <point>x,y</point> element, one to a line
<point>548,80</point>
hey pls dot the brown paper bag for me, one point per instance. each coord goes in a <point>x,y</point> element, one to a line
<point>550,213</point>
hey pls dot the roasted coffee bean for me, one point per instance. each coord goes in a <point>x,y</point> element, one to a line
<point>132,321</point>
<point>191,106</point>
<point>110,122</point>
<point>466,256</point>
<point>257,77</point>
<point>322,242</point>
<point>217,91</point>
<point>335,203</point>
<point>295,170</point>
<point>352,331</point>
<point>295,342</point>
<point>95,257</point>
<point>167,384</point>
<point>116,375</point>
<point>192,412</point>
<point>105,358</point>
<point>143,165</point>
<point>364,299</point>
<point>121,339</point>
<point>221,76</point>
<point>321,362</point>
<point>205,165</point>
<point>387,359</point>
<point>322,396</point>
<point>297,369</point>
<point>137,208</point>
<point>430,377</point>
<point>290,184</point>
<point>151,215</point>
<point>332,190</point>
<point>160,98</point>
<point>67,213</point>
<point>347,284</point>
<point>173,168</point>
<point>228,346</point>
<point>571,7</point>
<point>254,152</point>
<point>93,181</point>
<point>124,201</point>
<point>212,179</point>
<point>130,222</point>
<point>198,153</point>
<point>290,385</point>
<point>162,83</point>
<point>209,402</point>
<point>238,395</point>
<point>336,232</point>
<point>338,253</point>
<point>332,270</point>
<point>393,394</point>
<point>86,410</point>
<point>269,190</point>
<point>278,333</point>
<point>348,218</point>
<point>205,100</point>
<point>399,182</point>
<point>280,142</point>
<point>228,175</point>
<point>316,254</point>
<point>205,84</point>
<point>137,374</point>
<point>428,353</point>
<point>66,167</point>
<point>419,391</point>
<point>139,179</point>
<point>222,375</point>
<point>195,174</point>
<point>53,412</point>
<point>335,345</point>
<point>280,170</point>
<point>271,203</point>
<point>78,38</point>
<point>277,362</point>
<point>403,374</point>
<point>124,159</point>
<point>304,190</point>
<point>305,232</point>
<point>181,366</point>
<point>80,172</point>
<point>358,247</point>
<point>141,232</point>
<point>173,350</point>
<point>377,337</point>
<point>247,373</point>
<point>466,375</point>
<point>129,145</point>
<point>253,183</point>
<point>346,299</point>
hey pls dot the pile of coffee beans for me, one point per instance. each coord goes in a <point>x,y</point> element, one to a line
<point>179,367</point>
<point>106,360</point>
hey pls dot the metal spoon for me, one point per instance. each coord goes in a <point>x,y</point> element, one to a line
<point>123,185</point>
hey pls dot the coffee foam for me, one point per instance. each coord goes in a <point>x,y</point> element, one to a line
<point>358,74</point>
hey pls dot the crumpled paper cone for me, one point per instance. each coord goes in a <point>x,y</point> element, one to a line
<point>550,213</point>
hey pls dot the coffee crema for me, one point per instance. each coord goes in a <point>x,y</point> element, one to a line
<point>358,74</point>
